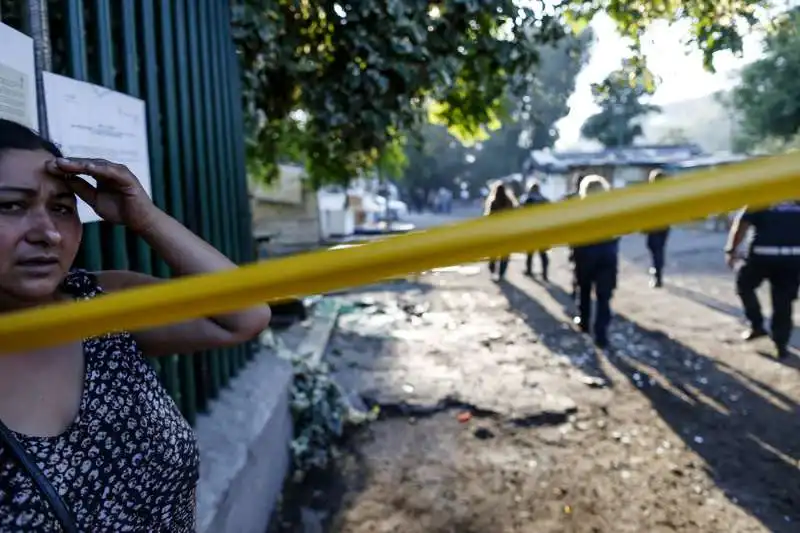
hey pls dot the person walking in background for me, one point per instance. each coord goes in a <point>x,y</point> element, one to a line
<point>418,200</point>
<point>445,200</point>
<point>571,258</point>
<point>774,255</point>
<point>534,196</point>
<point>500,199</point>
<point>595,271</point>
<point>657,243</point>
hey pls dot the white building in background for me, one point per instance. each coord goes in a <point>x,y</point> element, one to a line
<point>336,216</point>
<point>286,216</point>
<point>621,166</point>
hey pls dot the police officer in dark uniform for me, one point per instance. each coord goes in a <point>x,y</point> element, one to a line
<point>534,196</point>
<point>657,243</point>
<point>595,271</point>
<point>574,193</point>
<point>773,255</point>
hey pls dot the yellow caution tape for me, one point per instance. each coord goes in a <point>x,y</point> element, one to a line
<point>641,207</point>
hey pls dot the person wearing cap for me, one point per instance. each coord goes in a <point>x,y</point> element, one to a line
<point>774,256</point>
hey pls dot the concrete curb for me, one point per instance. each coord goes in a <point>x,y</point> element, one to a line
<point>244,440</point>
<point>316,341</point>
<point>244,449</point>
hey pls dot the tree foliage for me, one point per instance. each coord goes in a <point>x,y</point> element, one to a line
<point>533,126</point>
<point>622,98</point>
<point>774,145</point>
<point>766,97</point>
<point>443,160</point>
<point>714,26</point>
<point>365,72</point>
<point>437,159</point>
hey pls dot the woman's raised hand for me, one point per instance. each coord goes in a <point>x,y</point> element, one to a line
<point>118,198</point>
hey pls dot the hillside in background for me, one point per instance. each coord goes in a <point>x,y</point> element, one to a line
<point>703,120</point>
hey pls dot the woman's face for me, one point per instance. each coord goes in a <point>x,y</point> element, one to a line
<point>39,228</point>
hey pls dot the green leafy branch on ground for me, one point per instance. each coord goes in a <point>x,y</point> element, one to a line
<point>320,410</point>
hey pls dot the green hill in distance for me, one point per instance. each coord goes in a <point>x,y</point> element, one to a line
<point>704,121</point>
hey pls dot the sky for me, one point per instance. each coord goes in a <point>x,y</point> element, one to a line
<point>680,69</point>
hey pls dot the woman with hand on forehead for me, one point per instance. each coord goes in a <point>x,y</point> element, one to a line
<point>91,441</point>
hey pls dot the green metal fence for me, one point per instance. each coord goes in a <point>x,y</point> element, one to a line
<point>178,56</point>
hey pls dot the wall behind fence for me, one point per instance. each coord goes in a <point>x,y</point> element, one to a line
<point>178,56</point>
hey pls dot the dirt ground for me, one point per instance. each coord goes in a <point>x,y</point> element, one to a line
<point>498,417</point>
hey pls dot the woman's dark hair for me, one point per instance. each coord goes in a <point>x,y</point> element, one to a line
<point>15,136</point>
<point>500,197</point>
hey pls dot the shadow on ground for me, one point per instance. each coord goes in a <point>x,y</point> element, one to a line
<point>730,309</point>
<point>706,300</point>
<point>556,335</point>
<point>745,431</point>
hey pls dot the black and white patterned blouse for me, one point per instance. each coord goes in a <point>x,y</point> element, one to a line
<point>129,462</point>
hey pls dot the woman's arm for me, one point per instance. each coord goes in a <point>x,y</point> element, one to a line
<point>186,254</point>
<point>120,199</point>
<point>736,235</point>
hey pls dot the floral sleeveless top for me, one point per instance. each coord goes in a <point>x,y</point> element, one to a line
<point>129,461</point>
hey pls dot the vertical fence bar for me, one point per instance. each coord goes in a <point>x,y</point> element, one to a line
<point>223,214</point>
<point>141,256</point>
<point>237,117</point>
<point>89,256</point>
<point>186,363</point>
<point>153,99</point>
<point>204,27</point>
<point>228,366</point>
<point>172,171</point>
<point>223,31</point>
<point>35,17</point>
<point>203,363</point>
<point>115,235</point>
<point>243,207</point>
<point>233,178</point>
<point>218,167</point>
<point>238,139</point>
<point>151,83</point>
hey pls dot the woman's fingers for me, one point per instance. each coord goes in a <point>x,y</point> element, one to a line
<point>99,169</point>
<point>83,189</point>
<point>63,169</point>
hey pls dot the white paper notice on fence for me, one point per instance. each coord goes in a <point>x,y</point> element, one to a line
<point>87,120</point>
<point>17,78</point>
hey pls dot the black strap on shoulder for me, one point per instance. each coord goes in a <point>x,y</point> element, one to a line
<point>47,490</point>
